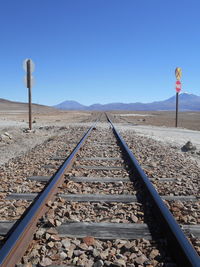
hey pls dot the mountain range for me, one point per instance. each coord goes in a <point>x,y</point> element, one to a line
<point>186,102</point>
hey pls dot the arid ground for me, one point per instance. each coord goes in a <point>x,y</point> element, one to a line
<point>19,112</point>
<point>48,122</point>
<point>188,120</point>
<point>153,139</point>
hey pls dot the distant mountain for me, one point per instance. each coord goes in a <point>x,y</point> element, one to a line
<point>186,102</point>
<point>70,105</point>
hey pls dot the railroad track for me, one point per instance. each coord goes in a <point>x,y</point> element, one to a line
<point>98,209</point>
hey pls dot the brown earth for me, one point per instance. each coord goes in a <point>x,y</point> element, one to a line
<point>17,111</point>
<point>18,107</point>
<point>10,110</point>
<point>189,120</point>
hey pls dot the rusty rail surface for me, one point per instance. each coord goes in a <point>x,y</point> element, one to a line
<point>181,249</point>
<point>22,233</point>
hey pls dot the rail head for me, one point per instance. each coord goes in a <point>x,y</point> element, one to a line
<point>183,252</point>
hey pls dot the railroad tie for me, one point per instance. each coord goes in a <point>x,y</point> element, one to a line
<point>105,230</point>
<point>99,158</point>
<point>81,179</point>
<point>106,168</point>
<point>126,198</point>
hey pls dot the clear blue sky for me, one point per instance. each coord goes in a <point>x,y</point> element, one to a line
<point>99,51</point>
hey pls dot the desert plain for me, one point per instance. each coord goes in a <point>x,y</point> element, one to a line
<point>152,137</point>
<point>47,122</point>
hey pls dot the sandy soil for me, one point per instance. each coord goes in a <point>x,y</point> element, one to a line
<point>160,127</point>
<point>188,120</point>
<point>172,136</point>
<point>16,140</point>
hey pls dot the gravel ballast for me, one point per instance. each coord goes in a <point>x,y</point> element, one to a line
<point>158,161</point>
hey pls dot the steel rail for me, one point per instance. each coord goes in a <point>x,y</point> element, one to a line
<point>183,252</point>
<point>22,232</point>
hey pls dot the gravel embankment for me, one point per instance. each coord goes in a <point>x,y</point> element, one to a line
<point>161,161</point>
<point>36,162</point>
<point>157,159</point>
<point>140,252</point>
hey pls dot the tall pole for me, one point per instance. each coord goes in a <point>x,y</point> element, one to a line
<point>28,63</point>
<point>176,124</point>
<point>178,73</point>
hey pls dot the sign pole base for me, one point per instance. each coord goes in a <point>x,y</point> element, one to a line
<point>176,123</point>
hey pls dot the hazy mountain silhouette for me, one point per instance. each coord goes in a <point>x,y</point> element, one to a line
<point>186,102</point>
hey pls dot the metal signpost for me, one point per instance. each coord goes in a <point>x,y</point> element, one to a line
<point>28,66</point>
<point>178,73</point>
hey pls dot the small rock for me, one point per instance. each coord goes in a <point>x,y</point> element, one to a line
<point>50,244</point>
<point>128,245</point>
<point>141,259</point>
<point>133,256</point>
<point>58,223</point>
<point>120,263</point>
<point>55,238</point>
<point>58,245</point>
<point>89,240</point>
<point>83,246</point>
<point>25,259</point>
<point>66,243</point>
<point>153,164</point>
<point>134,249</point>
<point>47,236</point>
<point>104,254</point>
<point>78,252</point>
<point>71,250</point>
<point>46,262</point>
<point>51,222</point>
<point>119,256</point>
<point>27,130</point>
<point>49,204</point>
<point>8,135</point>
<point>108,263</point>
<point>96,252</point>
<point>98,263</point>
<point>75,260</point>
<point>43,250</point>
<point>188,147</point>
<point>112,251</point>
<point>34,253</point>
<point>39,233</point>
<point>55,257</point>
<point>4,138</point>
<point>63,255</point>
<point>154,253</point>
<point>76,242</point>
<point>134,218</point>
